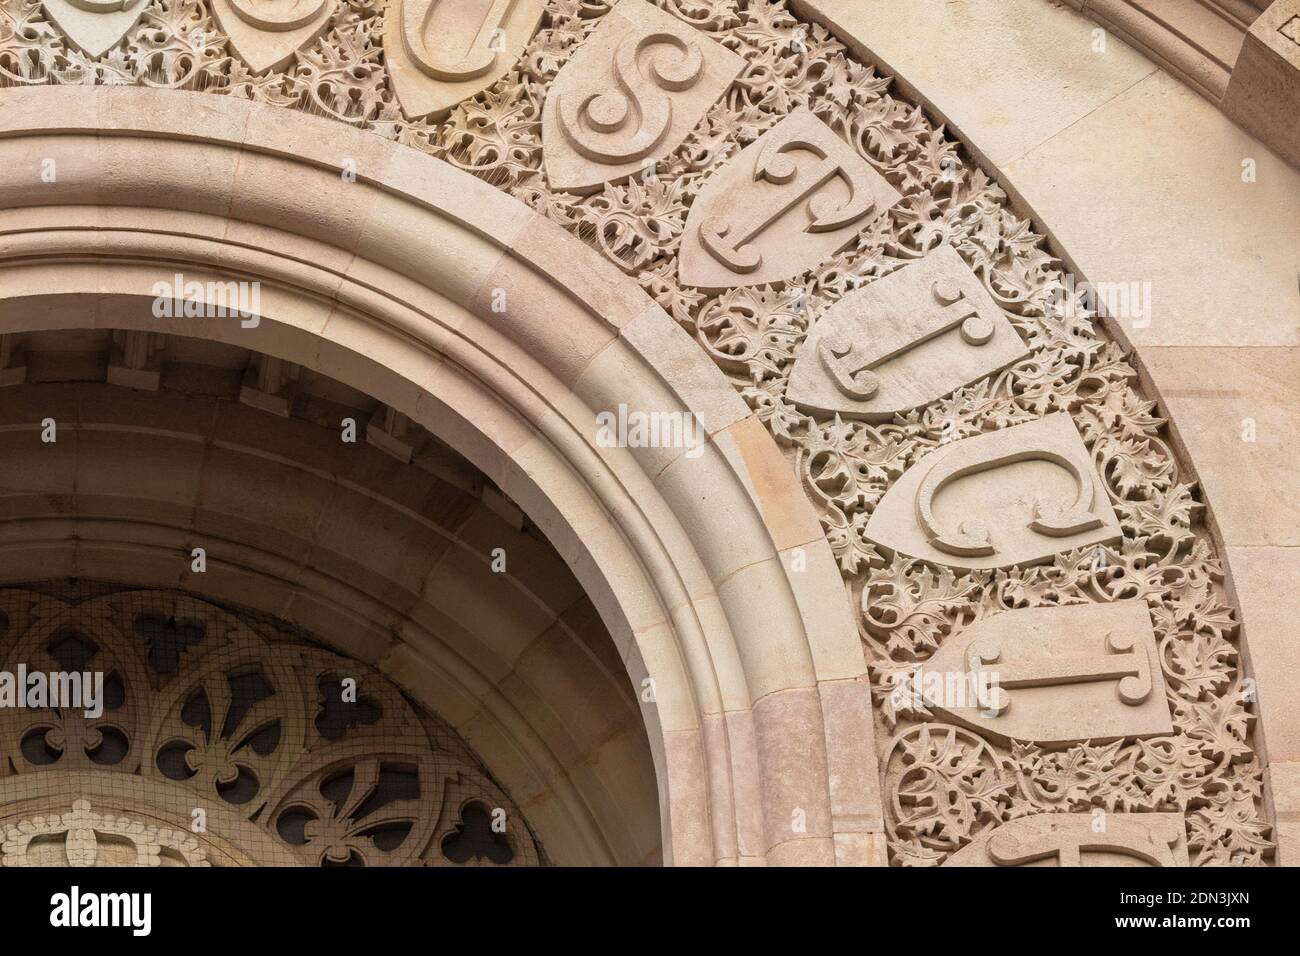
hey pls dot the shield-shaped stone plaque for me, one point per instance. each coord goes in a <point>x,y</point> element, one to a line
<point>902,341</point>
<point>786,202</point>
<point>1052,675</point>
<point>440,52</point>
<point>267,33</point>
<point>629,96</point>
<point>1014,496</point>
<point>1077,839</point>
<point>95,26</point>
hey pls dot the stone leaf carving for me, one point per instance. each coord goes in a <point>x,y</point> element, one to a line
<point>266,33</point>
<point>95,26</point>
<point>942,784</point>
<point>903,341</point>
<point>1018,495</point>
<point>794,197</point>
<point>440,52</point>
<point>1080,839</point>
<point>1053,675</point>
<point>630,95</point>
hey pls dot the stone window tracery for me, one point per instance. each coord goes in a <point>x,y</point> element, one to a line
<point>946,785</point>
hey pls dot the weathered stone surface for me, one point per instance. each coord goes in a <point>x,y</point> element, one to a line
<point>629,96</point>
<point>904,340</point>
<point>1052,675</point>
<point>996,62</point>
<point>785,203</point>
<point>1019,494</point>
<point>1080,839</point>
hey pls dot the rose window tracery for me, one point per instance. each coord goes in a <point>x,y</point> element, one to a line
<point>210,713</point>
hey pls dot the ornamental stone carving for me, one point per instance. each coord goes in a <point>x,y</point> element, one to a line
<point>903,341</point>
<point>629,96</point>
<point>793,198</point>
<point>1075,839</point>
<point>1052,675</point>
<point>267,33</point>
<point>440,52</point>
<point>1016,495</point>
<point>95,25</point>
<point>84,838</point>
<point>1109,522</point>
<point>318,753</point>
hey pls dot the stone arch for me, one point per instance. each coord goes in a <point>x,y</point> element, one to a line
<point>760,712</point>
<point>387,562</point>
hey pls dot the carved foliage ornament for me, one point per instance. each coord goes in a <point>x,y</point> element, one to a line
<point>1053,675</point>
<point>95,25</point>
<point>1076,839</point>
<point>1016,495</point>
<point>902,342</point>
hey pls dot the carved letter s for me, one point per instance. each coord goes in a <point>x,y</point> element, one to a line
<point>596,122</point>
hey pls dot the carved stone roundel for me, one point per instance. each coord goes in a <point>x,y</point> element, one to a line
<point>979,451</point>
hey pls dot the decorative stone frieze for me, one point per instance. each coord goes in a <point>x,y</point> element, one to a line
<point>267,33</point>
<point>1012,496</point>
<point>789,200</point>
<point>1077,839</point>
<point>786,208</point>
<point>1052,675</point>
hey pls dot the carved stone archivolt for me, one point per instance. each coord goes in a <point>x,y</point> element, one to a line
<point>1055,668</point>
<point>789,200</point>
<point>979,451</point>
<point>998,499</point>
<point>315,757</point>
